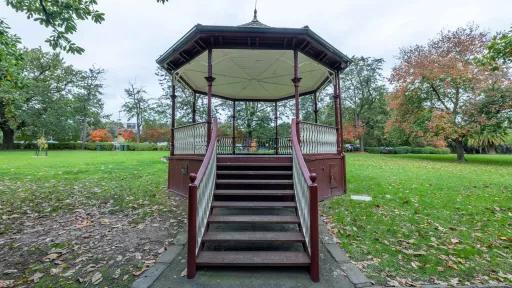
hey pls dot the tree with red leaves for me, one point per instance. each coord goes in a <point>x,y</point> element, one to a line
<point>441,85</point>
<point>100,135</point>
<point>127,135</point>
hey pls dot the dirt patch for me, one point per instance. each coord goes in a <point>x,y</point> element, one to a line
<point>84,246</point>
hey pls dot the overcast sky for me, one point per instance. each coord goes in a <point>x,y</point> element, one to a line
<point>136,32</point>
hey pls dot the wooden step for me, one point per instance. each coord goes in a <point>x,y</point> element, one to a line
<point>252,258</point>
<point>255,181</point>
<point>270,219</point>
<point>252,204</point>
<point>254,192</point>
<point>242,172</point>
<point>266,164</point>
<point>254,236</point>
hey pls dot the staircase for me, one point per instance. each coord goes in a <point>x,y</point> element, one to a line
<point>253,219</point>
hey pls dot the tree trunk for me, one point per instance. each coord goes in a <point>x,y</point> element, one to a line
<point>491,149</point>
<point>8,134</point>
<point>459,148</point>
<point>361,143</point>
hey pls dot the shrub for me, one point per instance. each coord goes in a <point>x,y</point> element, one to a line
<point>406,150</point>
<point>101,135</point>
<point>142,147</point>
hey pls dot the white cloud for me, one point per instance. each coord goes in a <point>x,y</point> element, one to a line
<point>136,32</point>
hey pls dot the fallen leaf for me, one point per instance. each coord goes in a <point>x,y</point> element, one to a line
<point>36,277</point>
<point>96,278</point>
<point>6,283</point>
<point>184,273</point>
<point>116,274</point>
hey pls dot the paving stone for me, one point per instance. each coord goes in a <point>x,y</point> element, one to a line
<point>181,239</point>
<point>169,254</point>
<point>149,277</point>
<point>337,253</point>
<point>356,276</point>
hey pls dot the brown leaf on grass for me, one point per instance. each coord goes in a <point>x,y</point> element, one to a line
<point>96,278</point>
<point>452,265</point>
<point>36,277</point>
<point>6,283</point>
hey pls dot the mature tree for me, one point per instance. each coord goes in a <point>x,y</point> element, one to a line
<point>87,102</point>
<point>11,60</point>
<point>136,106</point>
<point>440,85</point>
<point>499,50</point>
<point>61,17</point>
<point>363,91</point>
<point>47,97</point>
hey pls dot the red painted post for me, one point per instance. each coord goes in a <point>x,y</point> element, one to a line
<point>192,227</point>
<point>209,80</point>
<point>194,100</point>
<point>276,139</point>
<point>314,243</point>
<point>233,128</point>
<point>296,81</point>
<point>173,113</point>
<point>336,99</point>
<point>342,141</point>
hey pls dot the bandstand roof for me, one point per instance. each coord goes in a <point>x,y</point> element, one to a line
<point>252,61</point>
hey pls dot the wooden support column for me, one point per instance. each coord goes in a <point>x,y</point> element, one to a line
<point>315,106</point>
<point>194,104</point>
<point>209,80</point>
<point>336,99</point>
<point>173,112</point>
<point>276,139</point>
<point>233,129</point>
<point>296,81</point>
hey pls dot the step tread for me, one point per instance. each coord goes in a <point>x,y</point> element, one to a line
<point>254,192</point>
<point>253,258</point>
<point>251,172</point>
<point>254,236</point>
<point>254,181</point>
<point>252,204</point>
<point>290,219</point>
<point>256,164</point>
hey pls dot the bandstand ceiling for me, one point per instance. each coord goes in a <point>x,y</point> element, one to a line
<point>250,74</point>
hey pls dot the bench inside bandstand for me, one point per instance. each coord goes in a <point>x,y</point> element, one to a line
<point>254,202</point>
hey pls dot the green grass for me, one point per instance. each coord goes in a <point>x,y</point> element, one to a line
<point>430,217</point>
<point>68,179</point>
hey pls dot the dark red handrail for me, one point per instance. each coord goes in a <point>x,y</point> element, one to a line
<point>195,180</point>
<point>310,178</point>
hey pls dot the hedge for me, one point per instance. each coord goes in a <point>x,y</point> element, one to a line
<point>406,150</point>
<point>96,146</point>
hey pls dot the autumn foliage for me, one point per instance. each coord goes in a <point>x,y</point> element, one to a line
<point>441,93</point>
<point>352,133</point>
<point>100,135</point>
<point>156,134</point>
<point>127,135</point>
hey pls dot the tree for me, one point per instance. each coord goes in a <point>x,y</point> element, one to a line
<point>499,50</point>
<point>439,86</point>
<point>363,91</point>
<point>87,102</point>
<point>136,106</point>
<point>101,135</point>
<point>11,59</point>
<point>45,101</point>
<point>61,17</point>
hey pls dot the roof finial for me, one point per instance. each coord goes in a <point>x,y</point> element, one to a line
<point>255,18</point>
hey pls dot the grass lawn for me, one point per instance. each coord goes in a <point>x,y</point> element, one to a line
<point>76,218</point>
<point>431,219</point>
